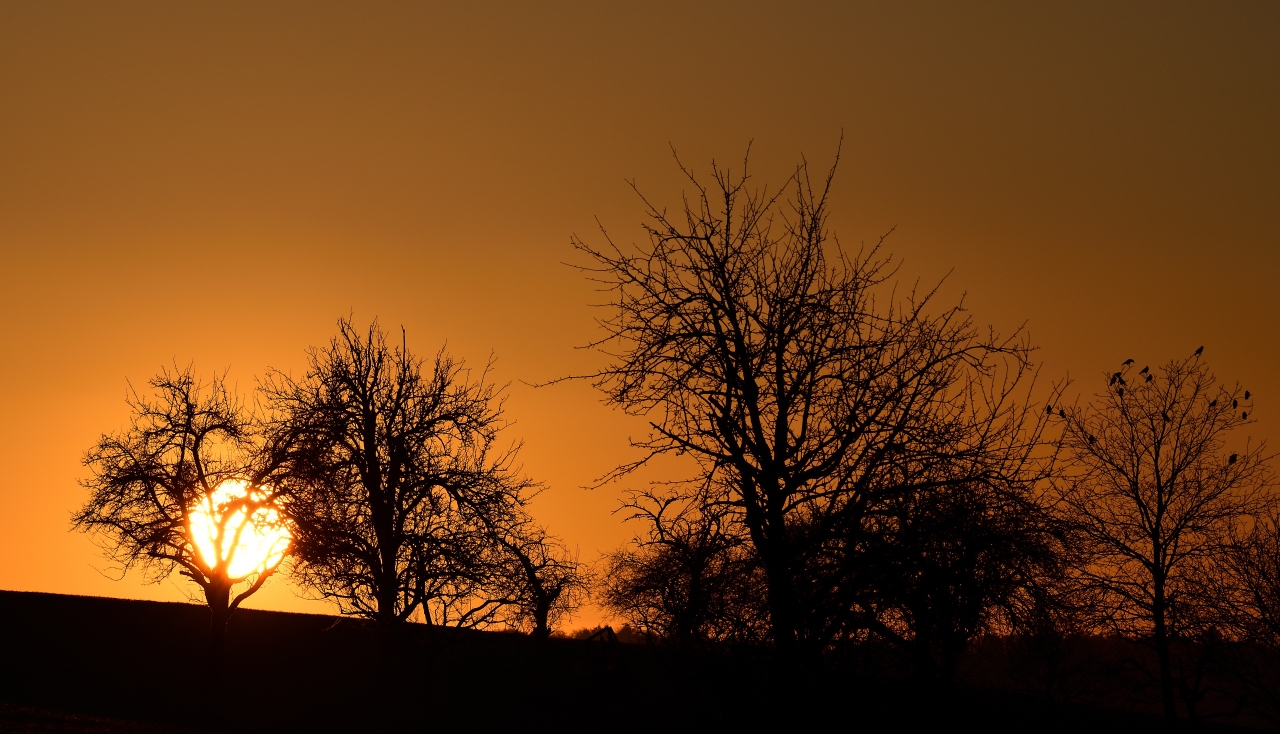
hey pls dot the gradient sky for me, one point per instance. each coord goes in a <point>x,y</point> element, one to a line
<point>218,182</point>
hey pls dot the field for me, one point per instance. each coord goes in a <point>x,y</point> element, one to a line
<point>86,664</point>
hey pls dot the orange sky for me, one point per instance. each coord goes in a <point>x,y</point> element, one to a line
<point>218,182</point>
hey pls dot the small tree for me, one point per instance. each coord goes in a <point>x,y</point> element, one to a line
<point>539,580</point>
<point>689,575</point>
<point>1154,492</point>
<point>185,488</point>
<point>1254,582</point>
<point>954,562</point>
<point>392,479</point>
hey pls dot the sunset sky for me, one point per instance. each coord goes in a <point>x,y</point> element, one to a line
<point>217,183</point>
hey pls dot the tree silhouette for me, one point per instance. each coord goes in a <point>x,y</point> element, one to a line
<point>1253,587</point>
<point>953,562</point>
<point>689,576</point>
<point>185,488</point>
<point>538,579</point>
<point>1255,562</point>
<point>393,481</point>
<point>1156,498</point>
<point>757,346</point>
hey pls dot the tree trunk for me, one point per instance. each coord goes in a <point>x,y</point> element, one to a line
<point>781,617</point>
<point>949,666</point>
<point>540,615</point>
<point>387,577</point>
<point>768,534</point>
<point>218,596</point>
<point>386,595</point>
<point>925,663</point>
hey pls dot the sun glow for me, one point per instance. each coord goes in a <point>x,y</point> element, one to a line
<point>236,531</point>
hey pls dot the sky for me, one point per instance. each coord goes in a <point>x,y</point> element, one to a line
<point>218,183</point>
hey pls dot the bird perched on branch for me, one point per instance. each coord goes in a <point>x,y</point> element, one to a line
<point>1198,351</point>
<point>1126,363</point>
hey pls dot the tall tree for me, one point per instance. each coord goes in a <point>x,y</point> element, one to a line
<point>1156,492</point>
<point>756,345</point>
<point>185,488</point>
<point>393,479</point>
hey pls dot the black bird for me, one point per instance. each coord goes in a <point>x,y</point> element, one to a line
<point>1062,413</point>
<point>1089,436</point>
<point>1198,351</point>
<point>1114,377</point>
<point>1120,391</point>
<point>1235,404</point>
<point>1244,415</point>
<point>1143,371</point>
<point>1165,416</point>
<point>1231,459</point>
<point>1246,394</point>
<point>1213,402</point>
<point>1126,363</point>
<point>1048,410</point>
<point>1148,378</point>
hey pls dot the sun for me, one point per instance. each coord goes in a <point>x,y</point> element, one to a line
<point>237,532</point>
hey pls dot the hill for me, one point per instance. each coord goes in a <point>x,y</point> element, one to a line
<point>88,664</point>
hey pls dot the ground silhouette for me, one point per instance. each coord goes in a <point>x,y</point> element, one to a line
<point>84,664</point>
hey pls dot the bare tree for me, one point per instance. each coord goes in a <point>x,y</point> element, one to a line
<point>756,346</point>
<point>539,579</point>
<point>1254,581</point>
<point>689,576</point>
<point>185,488</point>
<point>1255,562</point>
<point>951,563</point>
<point>393,479</point>
<point>1156,495</point>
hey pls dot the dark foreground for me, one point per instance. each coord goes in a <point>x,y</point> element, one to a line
<point>86,664</point>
